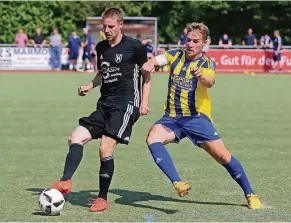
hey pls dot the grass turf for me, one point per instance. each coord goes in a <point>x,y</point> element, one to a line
<point>38,111</point>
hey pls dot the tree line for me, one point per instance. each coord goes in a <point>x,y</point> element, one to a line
<point>233,18</point>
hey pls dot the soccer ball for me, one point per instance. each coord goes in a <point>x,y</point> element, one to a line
<point>51,201</point>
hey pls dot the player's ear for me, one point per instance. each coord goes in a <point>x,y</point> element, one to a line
<point>121,25</point>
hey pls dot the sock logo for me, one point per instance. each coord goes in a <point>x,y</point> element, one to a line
<point>104,175</point>
<point>238,176</point>
<point>158,160</point>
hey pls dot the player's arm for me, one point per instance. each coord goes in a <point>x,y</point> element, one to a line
<point>279,44</point>
<point>84,90</point>
<point>159,60</point>
<point>141,59</point>
<point>206,74</point>
<point>255,42</point>
<point>85,43</point>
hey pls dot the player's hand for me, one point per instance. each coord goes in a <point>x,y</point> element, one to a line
<point>148,67</point>
<point>83,90</point>
<point>195,71</point>
<point>144,109</point>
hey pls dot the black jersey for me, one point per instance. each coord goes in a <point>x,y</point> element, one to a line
<point>120,67</point>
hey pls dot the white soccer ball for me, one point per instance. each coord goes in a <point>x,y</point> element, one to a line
<point>51,202</point>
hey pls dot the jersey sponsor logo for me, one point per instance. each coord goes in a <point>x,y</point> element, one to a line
<point>182,82</point>
<point>109,73</point>
<point>118,58</point>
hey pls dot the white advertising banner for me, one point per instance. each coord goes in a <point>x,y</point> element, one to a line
<point>29,58</point>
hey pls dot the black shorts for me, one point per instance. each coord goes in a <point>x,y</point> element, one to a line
<point>113,121</point>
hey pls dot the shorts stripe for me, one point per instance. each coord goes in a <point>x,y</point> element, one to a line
<point>136,90</point>
<point>126,117</point>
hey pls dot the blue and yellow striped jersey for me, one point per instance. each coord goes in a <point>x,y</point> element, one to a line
<point>186,96</point>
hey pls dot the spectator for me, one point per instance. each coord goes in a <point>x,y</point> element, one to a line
<point>266,42</point>
<point>148,43</point>
<point>74,43</point>
<point>250,39</point>
<point>149,47</point>
<point>277,49</point>
<point>207,44</point>
<point>56,50</point>
<point>183,38</point>
<point>87,56</point>
<point>94,56</point>
<point>38,40</point>
<point>225,41</point>
<point>21,38</point>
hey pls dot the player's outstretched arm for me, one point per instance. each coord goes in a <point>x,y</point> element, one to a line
<point>206,80</point>
<point>84,90</point>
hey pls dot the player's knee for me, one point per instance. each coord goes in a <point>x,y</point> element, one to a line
<point>154,136</point>
<point>225,157</point>
<point>78,139</point>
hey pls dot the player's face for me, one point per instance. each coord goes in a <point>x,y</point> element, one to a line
<point>194,45</point>
<point>112,28</point>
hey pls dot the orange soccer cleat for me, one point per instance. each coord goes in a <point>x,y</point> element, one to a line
<point>99,205</point>
<point>64,187</point>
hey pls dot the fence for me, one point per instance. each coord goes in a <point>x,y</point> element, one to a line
<point>235,59</point>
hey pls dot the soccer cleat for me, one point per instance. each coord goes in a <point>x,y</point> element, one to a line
<point>182,188</point>
<point>99,205</point>
<point>64,187</point>
<point>253,201</point>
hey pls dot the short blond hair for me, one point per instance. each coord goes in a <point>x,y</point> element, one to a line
<point>118,13</point>
<point>198,26</point>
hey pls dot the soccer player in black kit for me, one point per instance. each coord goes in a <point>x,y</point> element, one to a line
<point>119,61</point>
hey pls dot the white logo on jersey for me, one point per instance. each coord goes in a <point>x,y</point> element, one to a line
<point>118,58</point>
<point>108,71</point>
<point>101,57</point>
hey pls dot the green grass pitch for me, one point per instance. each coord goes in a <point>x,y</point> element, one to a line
<point>38,111</point>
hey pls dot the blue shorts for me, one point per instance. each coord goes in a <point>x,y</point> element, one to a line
<point>198,128</point>
<point>277,57</point>
<point>87,55</point>
<point>73,55</point>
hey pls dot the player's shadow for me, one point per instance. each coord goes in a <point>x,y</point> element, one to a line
<point>129,198</point>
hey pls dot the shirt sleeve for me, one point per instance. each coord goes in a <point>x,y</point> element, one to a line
<point>208,68</point>
<point>170,55</point>
<point>140,54</point>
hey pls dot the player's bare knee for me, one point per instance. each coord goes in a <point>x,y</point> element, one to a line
<point>225,157</point>
<point>153,137</point>
<point>158,134</point>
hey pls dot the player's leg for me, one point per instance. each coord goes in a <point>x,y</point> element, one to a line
<point>107,147</point>
<point>118,128</point>
<point>163,132</point>
<point>219,152</point>
<point>89,128</point>
<point>202,132</point>
<point>78,138</point>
